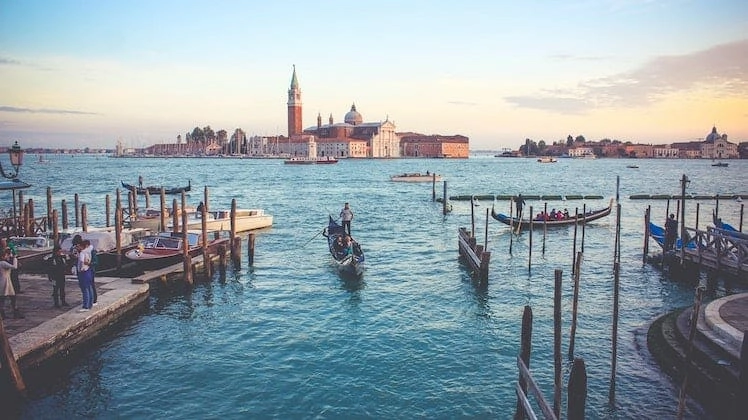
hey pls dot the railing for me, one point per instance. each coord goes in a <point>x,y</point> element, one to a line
<point>16,227</point>
<point>724,249</point>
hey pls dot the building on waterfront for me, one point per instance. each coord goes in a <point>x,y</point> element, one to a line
<point>355,138</point>
<point>434,145</point>
<point>716,146</point>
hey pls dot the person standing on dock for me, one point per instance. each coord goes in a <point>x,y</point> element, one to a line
<point>520,202</point>
<point>671,232</point>
<point>346,215</point>
<point>57,265</point>
<point>84,275</point>
<point>8,263</point>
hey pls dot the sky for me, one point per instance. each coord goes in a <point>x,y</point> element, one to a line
<point>90,73</point>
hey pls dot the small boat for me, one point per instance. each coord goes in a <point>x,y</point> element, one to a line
<point>538,224</point>
<point>351,265</point>
<point>632,166</point>
<point>720,164</point>
<point>153,190</point>
<point>310,160</point>
<point>246,220</point>
<point>416,177</point>
<point>104,242</point>
<point>158,251</point>
<point>547,159</point>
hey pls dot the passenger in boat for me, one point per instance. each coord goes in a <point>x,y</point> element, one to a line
<point>346,216</point>
<point>338,246</point>
<point>671,232</point>
<point>553,215</point>
<point>566,213</point>
<point>199,211</point>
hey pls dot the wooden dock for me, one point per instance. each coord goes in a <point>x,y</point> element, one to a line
<point>475,255</point>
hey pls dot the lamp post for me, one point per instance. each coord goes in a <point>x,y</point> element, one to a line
<point>16,160</point>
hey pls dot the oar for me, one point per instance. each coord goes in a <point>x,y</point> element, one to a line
<point>313,237</point>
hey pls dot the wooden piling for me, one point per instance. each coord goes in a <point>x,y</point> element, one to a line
<point>545,223</point>
<point>689,351</point>
<point>433,187</point>
<point>185,243</point>
<point>174,216</point>
<point>574,242</point>
<point>236,245</point>
<point>118,232</point>
<point>524,354</point>
<point>49,208</point>
<point>529,254</point>
<point>577,391</point>
<point>485,237</point>
<point>162,210</point>
<point>251,248</point>
<point>646,234</point>
<point>55,227</point>
<point>77,211</point>
<point>444,200</point>
<point>575,306</point>
<point>206,254</point>
<point>107,205</point>
<point>84,217</point>
<point>472,216</point>
<point>584,226</point>
<point>64,208</point>
<point>740,226</point>
<point>148,199</point>
<point>557,379</point>
<point>9,363</point>
<point>614,339</point>
<point>511,225</point>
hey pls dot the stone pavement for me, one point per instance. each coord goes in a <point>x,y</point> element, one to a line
<point>45,330</point>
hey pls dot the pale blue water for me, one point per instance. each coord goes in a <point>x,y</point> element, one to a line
<point>287,338</point>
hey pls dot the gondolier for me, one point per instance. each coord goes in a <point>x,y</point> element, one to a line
<point>520,202</point>
<point>346,215</point>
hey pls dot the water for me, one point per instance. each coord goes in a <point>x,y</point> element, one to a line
<point>288,338</point>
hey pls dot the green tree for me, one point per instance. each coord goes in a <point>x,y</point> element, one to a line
<point>569,141</point>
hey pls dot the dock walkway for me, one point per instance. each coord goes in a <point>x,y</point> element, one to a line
<point>46,331</point>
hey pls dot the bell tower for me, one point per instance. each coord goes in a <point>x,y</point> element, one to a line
<point>294,106</point>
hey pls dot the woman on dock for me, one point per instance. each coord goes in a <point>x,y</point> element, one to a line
<point>8,264</point>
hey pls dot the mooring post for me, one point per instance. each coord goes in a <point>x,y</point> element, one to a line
<point>162,211</point>
<point>204,244</point>
<point>557,379</point>
<point>646,234</point>
<point>444,200</point>
<point>84,217</point>
<point>185,243</point>
<point>740,226</point>
<point>174,216</point>
<point>584,225</point>
<point>575,306</point>
<point>545,224</point>
<point>511,225</point>
<point>64,209</point>
<point>77,211</point>
<point>689,350</point>
<point>529,255</point>
<point>118,233</point>
<point>10,364</point>
<point>574,242</point>
<point>433,187</point>
<point>472,216</point>
<point>524,354</point>
<point>55,227</point>
<point>697,216</point>
<point>148,199</point>
<point>251,248</point>
<point>614,339</point>
<point>107,209</point>
<point>49,208</point>
<point>577,391</point>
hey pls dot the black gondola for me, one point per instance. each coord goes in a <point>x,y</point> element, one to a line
<point>153,190</point>
<point>538,224</point>
<point>347,264</point>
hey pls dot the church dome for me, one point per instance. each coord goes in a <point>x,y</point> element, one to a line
<point>353,117</point>
<point>713,136</point>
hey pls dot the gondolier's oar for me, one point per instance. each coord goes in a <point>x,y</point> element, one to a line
<point>313,237</point>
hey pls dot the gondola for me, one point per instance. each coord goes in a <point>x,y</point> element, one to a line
<point>347,265</point>
<point>153,190</point>
<point>538,224</point>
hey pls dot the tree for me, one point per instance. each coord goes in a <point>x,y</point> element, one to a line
<point>198,136</point>
<point>569,141</point>
<point>580,139</point>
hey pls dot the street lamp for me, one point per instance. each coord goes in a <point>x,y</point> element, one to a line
<point>16,160</point>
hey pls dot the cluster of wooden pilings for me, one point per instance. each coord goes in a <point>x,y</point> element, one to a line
<point>477,256</point>
<point>50,225</point>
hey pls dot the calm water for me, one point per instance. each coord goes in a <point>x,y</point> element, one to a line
<point>288,338</point>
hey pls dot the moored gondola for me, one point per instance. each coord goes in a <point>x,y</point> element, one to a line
<point>572,219</point>
<point>153,190</point>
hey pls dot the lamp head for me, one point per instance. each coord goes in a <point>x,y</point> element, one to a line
<point>16,155</point>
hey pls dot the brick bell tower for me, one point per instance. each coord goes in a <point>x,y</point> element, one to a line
<point>294,106</point>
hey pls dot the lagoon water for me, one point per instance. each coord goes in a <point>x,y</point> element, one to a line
<point>415,338</point>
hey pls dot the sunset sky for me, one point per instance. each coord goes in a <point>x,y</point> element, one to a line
<point>88,73</point>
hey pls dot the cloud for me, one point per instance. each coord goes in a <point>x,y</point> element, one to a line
<point>723,69</point>
<point>8,61</point>
<point>462,103</point>
<point>43,111</point>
